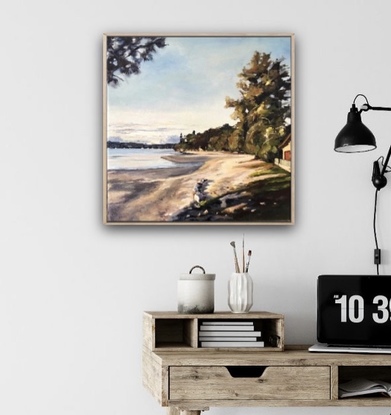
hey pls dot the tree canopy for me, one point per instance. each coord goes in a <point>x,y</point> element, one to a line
<point>262,112</point>
<point>126,53</point>
<point>263,108</point>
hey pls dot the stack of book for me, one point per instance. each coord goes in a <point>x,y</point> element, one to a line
<point>229,334</point>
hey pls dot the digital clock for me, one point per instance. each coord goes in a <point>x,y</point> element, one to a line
<point>354,310</point>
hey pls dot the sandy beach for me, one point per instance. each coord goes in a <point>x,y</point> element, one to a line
<point>163,195</point>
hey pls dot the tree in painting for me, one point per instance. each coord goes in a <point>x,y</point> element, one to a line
<point>263,107</point>
<point>125,55</point>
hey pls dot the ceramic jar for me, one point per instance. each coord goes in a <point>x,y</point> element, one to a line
<point>240,292</point>
<point>196,292</point>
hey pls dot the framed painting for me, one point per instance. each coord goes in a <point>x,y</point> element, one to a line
<point>198,129</point>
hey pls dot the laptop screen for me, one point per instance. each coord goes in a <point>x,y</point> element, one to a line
<point>354,310</point>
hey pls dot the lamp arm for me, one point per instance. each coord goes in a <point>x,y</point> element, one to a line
<point>385,164</point>
<point>380,108</point>
<point>367,107</point>
<point>379,179</point>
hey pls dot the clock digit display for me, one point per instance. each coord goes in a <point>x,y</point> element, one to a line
<point>383,315</point>
<point>354,310</point>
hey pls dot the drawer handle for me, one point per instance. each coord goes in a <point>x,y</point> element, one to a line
<point>246,371</point>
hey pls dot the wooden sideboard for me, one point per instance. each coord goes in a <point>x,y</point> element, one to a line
<point>187,378</point>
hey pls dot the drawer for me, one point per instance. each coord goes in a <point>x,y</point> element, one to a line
<point>245,382</point>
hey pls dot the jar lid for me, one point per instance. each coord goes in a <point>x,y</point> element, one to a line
<point>204,277</point>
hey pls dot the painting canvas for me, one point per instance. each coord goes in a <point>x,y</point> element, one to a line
<point>198,129</point>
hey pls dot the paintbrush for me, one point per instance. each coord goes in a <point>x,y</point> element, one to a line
<point>243,260</point>
<point>236,257</point>
<point>248,260</point>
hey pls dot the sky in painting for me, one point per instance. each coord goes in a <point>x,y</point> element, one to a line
<point>183,89</point>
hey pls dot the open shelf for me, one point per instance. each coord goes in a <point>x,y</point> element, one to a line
<point>269,328</point>
<point>367,373</point>
<point>346,373</point>
<point>174,331</point>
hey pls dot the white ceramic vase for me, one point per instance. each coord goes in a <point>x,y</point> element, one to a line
<point>240,292</point>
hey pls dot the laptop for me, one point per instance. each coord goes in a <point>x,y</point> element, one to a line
<point>353,314</point>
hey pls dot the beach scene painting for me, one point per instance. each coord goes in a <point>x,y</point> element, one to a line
<point>198,130</point>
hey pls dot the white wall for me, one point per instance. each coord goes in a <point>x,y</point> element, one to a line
<point>72,291</point>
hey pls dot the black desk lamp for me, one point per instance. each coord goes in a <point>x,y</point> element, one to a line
<point>355,137</point>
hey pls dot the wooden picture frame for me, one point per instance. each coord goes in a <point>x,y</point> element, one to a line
<point>198,129</point>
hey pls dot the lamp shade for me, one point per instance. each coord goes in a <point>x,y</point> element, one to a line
<point>355,137</point>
